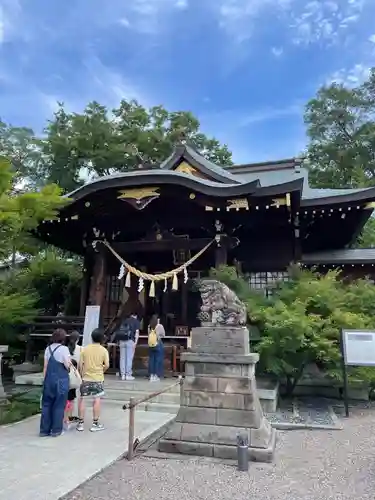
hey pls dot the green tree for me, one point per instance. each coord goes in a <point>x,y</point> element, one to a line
<point>21,212</point>
<point>96,143</point>
<point>54,280</point>
<point>20,146</point>
<point>301,324</point>
<point>341,131</point>
<point>341,150</point>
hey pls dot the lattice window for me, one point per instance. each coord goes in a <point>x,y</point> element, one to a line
<point>265,281</point>
<point>114,288</point>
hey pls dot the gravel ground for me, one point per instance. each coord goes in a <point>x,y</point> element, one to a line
<point>309,465</point>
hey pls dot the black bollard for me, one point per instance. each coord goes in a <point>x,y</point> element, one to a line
<point>242,453</point>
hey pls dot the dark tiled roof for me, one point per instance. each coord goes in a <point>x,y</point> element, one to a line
<point>207,167</point>
<point>343,256</point>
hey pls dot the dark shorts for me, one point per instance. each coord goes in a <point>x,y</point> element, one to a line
<point>93,389</point>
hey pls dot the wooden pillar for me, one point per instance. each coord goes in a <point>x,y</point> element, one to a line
<point>85,285</point>
<point>184,303</point>
<point>297,250</point>
<point>98,279</point>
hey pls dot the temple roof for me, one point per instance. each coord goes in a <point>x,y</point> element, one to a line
<point>185,166</point>
<point>205,167</point>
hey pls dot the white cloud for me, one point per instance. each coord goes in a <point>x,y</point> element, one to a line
<point>148,16</point>
<point>277,51</point>
<point>306,22</point>
<point>351,77</point>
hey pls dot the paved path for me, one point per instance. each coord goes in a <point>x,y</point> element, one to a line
<point>47,468</point>
<point>309,465</point>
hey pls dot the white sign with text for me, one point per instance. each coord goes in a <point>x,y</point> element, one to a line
<point>358,347</point>
<point>92,318</point>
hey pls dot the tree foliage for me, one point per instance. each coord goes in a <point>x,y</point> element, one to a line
<point>21,212</point>
<point>341,130</point>
<point>19,146</point>
<point>301,322</point>
<point>53,280</point>
<point>98,142</point>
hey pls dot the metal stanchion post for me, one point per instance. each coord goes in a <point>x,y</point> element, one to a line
<point>242,453</point>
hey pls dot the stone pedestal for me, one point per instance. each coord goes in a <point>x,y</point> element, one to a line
<point>3,349</point>
<point>220,400</point>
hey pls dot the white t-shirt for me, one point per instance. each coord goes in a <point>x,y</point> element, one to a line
<point>77,354</point>
<point>62,354</point>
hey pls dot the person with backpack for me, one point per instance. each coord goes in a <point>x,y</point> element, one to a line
<point>156,333</point>
<point>127,337</point>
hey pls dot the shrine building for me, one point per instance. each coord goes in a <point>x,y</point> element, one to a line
<point>145,234</point>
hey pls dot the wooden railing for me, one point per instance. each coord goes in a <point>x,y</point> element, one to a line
<point>132,405</point>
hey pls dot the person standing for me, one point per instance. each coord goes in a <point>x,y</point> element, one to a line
<point>94,362</point>
<point>75,352</point>
<point>55,385</point>
<point>127,336</point>
<point>156,333</point>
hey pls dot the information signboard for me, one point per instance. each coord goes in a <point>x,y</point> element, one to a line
<point>92,317</point>
<point>358,347</point>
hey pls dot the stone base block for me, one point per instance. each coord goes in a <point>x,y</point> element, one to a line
<point>220,340</point>
<point>220,399</point>
<point>227,452</point>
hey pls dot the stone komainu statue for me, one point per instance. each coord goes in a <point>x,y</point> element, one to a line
<point>220,305</point>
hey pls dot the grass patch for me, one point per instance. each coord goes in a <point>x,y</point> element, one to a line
<point>19,407</point>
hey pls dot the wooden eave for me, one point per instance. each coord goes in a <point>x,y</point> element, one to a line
<point>367,195</point>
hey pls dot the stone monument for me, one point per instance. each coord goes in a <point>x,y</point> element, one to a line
<point>219,399</point>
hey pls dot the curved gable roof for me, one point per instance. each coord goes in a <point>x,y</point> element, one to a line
<point>204,166</point>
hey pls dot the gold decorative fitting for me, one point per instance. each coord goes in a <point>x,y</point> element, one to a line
<point>185,168</point>
<point>74,217</point>
<point>87,204</point>
<point>278,202</point>
<point>138,194</point>
<point>139,198</point>
<point>209,209</point>
<point>237,204</point>
<point>192,196</point>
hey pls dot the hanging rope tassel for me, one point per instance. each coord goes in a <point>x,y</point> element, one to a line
<point>121,273</point>
<point>128,281</point>
<point>175,282</point>
<point>151,292</point>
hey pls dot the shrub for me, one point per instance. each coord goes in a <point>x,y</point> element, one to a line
<point>302,322</point>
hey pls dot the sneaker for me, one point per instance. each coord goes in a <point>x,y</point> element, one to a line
<point>96,427</point>
<point>129,377</point>
<point>152,378</point>
<point>80,427</point>
<point>67,426</point>
<point>123,377</point>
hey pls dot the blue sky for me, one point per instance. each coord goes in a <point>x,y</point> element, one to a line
<point>246,68</point>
